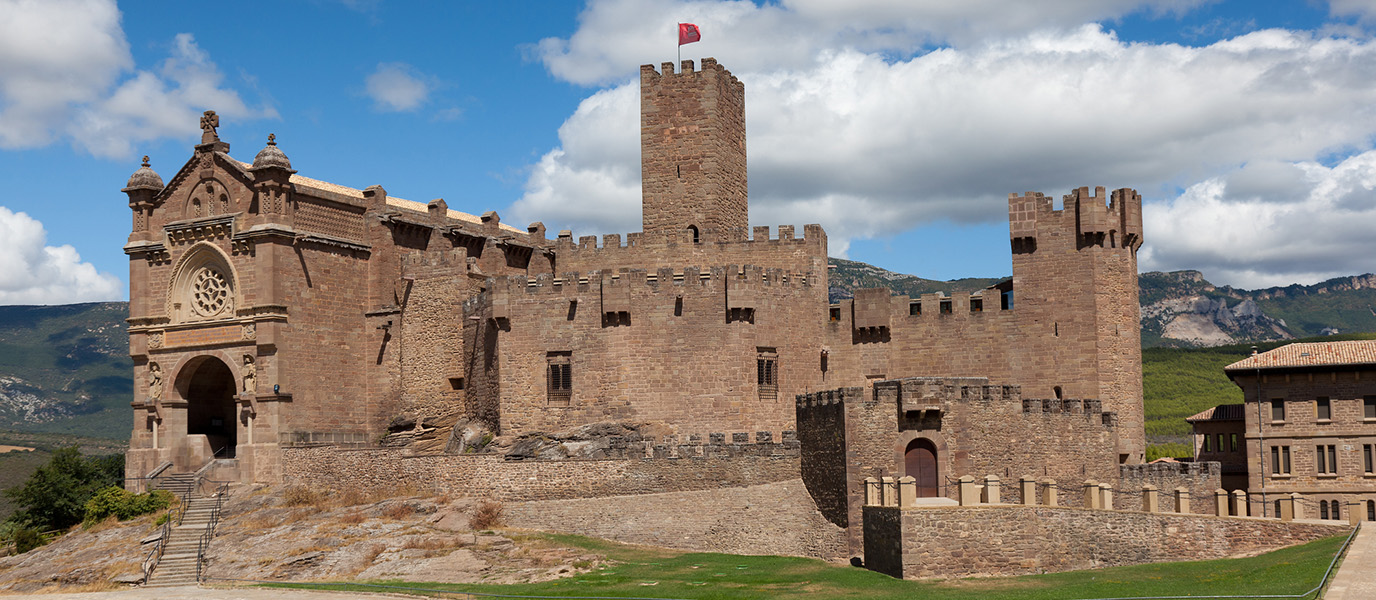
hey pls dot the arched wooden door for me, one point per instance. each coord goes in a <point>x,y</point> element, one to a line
<point>919,462</point>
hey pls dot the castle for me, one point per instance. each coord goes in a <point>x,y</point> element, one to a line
<point>278,321</point>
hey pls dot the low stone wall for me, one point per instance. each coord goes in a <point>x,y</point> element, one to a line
<point>961,541</point>
<point>1199,480</point>
<point>775,518</point>
<point>489,476</point>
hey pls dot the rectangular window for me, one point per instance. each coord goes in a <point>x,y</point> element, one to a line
<point>1232,446</point>
<point>1369,407</point>
<point>1278,409</point>
<point>1326,458</point>
<point>1006,300</point>
<point>945,307</point>
<point>1207,439</point>
<point>767,373</point>
<point>835,313</point>
<point>1323,409</point>
<point>1366,459</point>
<point>914,308</point>
<point>976,305</point>
<point>1219,445</point>
<point>1280,460</point>
<point>560,379</point>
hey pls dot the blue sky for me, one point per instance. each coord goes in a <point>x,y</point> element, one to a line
<point>900,126</point>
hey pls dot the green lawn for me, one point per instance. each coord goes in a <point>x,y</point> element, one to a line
<point>657,573</point>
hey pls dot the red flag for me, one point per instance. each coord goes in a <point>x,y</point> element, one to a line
<point>688,33</point>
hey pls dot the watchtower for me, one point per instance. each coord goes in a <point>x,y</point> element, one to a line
<point>1075,285</point>
<point>692,148</point>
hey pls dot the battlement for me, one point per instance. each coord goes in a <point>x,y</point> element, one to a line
<point>751,236</point>
<point>1099,220</point>
<point>939,394</point>
<point>685,69</point>
<point>437,263</point>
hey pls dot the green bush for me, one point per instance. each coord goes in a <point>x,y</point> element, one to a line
<point>55,495</point>
<point>26,539</point>
<point>123,504</point>
<point>1173,450</point>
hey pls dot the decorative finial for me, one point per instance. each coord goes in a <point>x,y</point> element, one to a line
<point>272,139</point>
<point>209,121</point>
<point>145,160</point>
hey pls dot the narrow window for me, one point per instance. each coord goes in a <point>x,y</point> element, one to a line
<point>1285,458</point>
<point>1275,460</point>
<point>1006,300</point>
<point>1323,409</point>
<point>1207,439</point>
<point>835,313</point>
<point>697,235</point>
<point>1371,510</point>
<point>1219,445</point>
<point>1320,459</point>
<point>560,379</point>
<point>1232,446</point>
<point>767,373</point>
<point>1336,514</point>
<point>914,308</point>
<point>1369,407</point>
<point>945,307</point>
<point>976,305</point>
<point>1278,508</point>
<point>1277,409</point>
<point>1323,509</point>
<point>1333,460</point>
<point>1366,459</point>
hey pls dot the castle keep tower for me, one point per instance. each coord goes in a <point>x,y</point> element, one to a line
<point>1075,275</point>
<point>692,148</point>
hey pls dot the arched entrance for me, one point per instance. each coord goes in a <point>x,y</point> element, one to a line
<point>211,410</point>
<point>919,462</point>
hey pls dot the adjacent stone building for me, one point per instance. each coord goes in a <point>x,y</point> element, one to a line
<point>1309,422</point>
<point>1220,436</point>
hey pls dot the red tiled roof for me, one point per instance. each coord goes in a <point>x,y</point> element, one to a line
<point>1314,354</point>
<point>1222,412</point>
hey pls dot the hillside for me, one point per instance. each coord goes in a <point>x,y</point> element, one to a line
<point>66,369</point>
<point>850,275</point>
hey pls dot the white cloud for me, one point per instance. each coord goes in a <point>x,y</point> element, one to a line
<point>1364,10</point>
<point>397,87</point>
<point>869,145</point>
<point>65,71</point>
<point>615,36</point>
<point>1312,223</point>
<point>32,272</point>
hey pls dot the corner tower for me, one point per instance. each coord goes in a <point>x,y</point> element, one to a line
<point>692,148</point>
<point>1075,280</point>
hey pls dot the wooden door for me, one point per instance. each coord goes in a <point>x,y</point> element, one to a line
<point>919,462</point>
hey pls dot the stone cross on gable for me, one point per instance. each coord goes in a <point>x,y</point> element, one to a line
<point>209,121</point>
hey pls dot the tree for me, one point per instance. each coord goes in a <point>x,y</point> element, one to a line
<point>55,496</point>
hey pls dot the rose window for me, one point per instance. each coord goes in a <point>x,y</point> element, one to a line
<point>209,292</point>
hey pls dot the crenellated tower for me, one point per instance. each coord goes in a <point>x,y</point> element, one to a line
<point>1075,285</point>
<point>692,148</point>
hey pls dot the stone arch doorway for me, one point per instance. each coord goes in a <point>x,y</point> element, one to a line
<point>919,462</point>
<point>209,390</point>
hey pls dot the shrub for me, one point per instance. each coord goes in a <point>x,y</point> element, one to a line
<point>26,539</point>
<point>301,496</point>
<point>123,504</point>
<point>486,515</point>
<point>55,495</point>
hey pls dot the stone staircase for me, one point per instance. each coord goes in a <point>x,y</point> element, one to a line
<point>178,564</point>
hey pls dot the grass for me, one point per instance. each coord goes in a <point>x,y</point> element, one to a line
<point>651,572</point>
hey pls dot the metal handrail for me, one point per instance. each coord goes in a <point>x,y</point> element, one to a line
<point>203,543</point>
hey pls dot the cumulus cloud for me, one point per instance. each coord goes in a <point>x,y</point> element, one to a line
<point>32,272</point>
<point>397,87</point>
<point>1364,10</point>
<point>66,72</point>
<point>871,145</point>
<point>615,36</point>
<point>1308,223</point>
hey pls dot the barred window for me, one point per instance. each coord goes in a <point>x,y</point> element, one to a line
<point>767,373</point>
<point>560,378</point>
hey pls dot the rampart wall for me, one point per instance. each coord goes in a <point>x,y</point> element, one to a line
<point>710,463</point>
<point>675,347</point>
<point>797,256</point>
<point>1199,480</point>
<point>960,541</point>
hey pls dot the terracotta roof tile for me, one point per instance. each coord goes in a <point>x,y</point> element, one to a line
<point>1312,354</point>
<point>1222,412</point>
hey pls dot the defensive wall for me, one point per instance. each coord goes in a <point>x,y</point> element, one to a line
<point>673,464</point>
<point>804,255</point>
<point>852,433</point>
<point>961,541</point>
<point>681,347</point>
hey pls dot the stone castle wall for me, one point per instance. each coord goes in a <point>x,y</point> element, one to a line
<point>707,464</point>
<point>1199,480</point>
<point>960,541</point>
